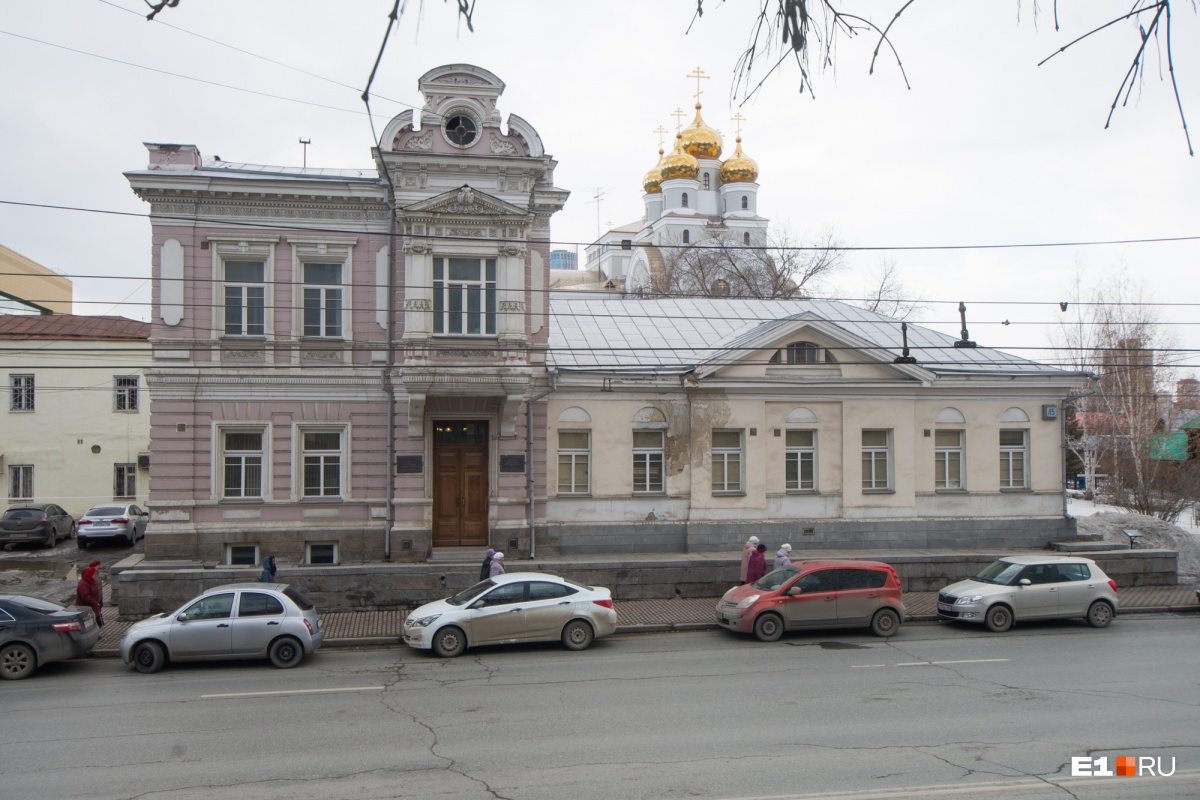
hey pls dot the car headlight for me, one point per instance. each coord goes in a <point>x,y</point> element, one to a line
<point>423,622</point>
<point>969,600</point>
<point>749,601</point>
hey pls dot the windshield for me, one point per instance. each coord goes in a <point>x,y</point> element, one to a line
<point>467,595</point>
<point>773,580</point>
<point>105,511</point>
<point>1002,572</point>
<point>300,600</point>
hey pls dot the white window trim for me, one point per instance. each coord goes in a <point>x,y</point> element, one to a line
<point>133,393</point>
<point>298,431</point>
<point>1024,450</point>
<point>218,467</point>
<point>573,452</point>
<point>788,450</point>
<point>237,247</point>
<point>30,393</point>
<point>308,546</point>
<point>229,554</point>
<point>725,452</point>
<point>323,250</point>
<point>889,465</point>
<point>939,472</point>
<point>647,452</point>
<point>498,288</point>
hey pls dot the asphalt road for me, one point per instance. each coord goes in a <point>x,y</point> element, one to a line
<point>937,712</point>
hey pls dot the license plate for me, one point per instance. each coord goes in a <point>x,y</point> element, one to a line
<point>18,536</point>
<point>945,607</point>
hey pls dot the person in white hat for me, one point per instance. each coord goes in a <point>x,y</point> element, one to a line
<point>747,549</point>
<point>497,565</point>
<point>784,557</point>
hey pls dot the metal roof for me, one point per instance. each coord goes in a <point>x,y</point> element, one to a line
<point>602,332</point>
<point>71,326</point>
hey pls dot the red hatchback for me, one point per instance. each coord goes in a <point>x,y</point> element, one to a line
<point>816,594</point>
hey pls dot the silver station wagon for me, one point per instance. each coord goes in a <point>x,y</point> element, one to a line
<point>234,621</point>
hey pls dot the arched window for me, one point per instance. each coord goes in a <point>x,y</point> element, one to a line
<point>706,180</point>
<point>745,202</point>
<point>687,237</point>
<point>684,202</point>
<point>803,353</point>
<point>746,237</point>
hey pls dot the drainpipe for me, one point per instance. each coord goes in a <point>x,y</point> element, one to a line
<point>529,481</point>
<point>389,387</point>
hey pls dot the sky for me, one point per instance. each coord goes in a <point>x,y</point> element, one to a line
<point>986,148</point>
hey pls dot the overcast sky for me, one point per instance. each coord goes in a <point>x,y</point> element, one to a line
<point>987,148</point>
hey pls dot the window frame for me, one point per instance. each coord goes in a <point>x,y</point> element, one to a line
<point>222,445</point>
<point>249,248</point>
<point>575,456</point>
<point>230,547</point>
<point>484,291</point>
<point>871,484</point>
<point>22,392</point>
<point>941,462</point>
<point>308,554</point>
<point>797,453</point>
<point>325,457</point>
<point>126,397</point>
<point>246,329</point>
<point>648,455</point>
<point>126,482</point>
<point>330,250</point>
<point>327,299</point>
<point>724,453</point>
<point>26,481</point>
<point>1007,453</point>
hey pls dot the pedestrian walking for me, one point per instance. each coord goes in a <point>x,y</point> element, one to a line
<point>747,549</point>
<point>497,567</point>
<point>268,571</point>
<point>88,593</point>
<point>756,567</point>
<point>783,558</point>
<point>485,571</point>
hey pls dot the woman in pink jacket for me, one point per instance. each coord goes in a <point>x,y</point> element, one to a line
<point>747,549</point>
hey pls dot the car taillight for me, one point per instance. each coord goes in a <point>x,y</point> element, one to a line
<point>308,625</point>
<point>1113,584</point>
<point>121,520</point>
<point>66,627</point>
<point>43,521</point>
<point>605,603</point>
<point>85,521</point>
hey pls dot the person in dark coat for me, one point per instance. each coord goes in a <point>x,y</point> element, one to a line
<point>268,573</point>
<point>485,571</point>
<point>757,566</point>
<point>87,592</point>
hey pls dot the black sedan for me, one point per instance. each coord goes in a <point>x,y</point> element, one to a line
<point>34,631</point>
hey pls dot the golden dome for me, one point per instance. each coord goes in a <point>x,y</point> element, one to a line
<point>739,168</point>
<point>679,164</point>
<point>700,140</point>
<point>652,180</point>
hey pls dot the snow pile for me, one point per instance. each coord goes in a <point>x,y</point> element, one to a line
<point>1110,526</point>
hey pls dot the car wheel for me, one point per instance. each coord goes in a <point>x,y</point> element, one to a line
<point>81,543</point>
<point>998,619</point>
<point>886,622</point>
<point>1100,614</point>
<point>16,661</point>
<point>285,653</point>
<point>132,539</point>
<point>449,642</point>
<point>148,657</point>
<point>768,627</point>
<point>577,635</point>
<point>73,532</point>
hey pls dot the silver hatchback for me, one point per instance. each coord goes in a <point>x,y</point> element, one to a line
<point>234,621</point>
<point>1019,588</point>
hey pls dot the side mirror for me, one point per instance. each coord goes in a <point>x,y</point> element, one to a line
<point>1025,582</point>
<point>794,590</point>
<point>182,618</point>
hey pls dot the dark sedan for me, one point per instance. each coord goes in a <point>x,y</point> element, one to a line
<point>34,632</point>
<point>44,523</point>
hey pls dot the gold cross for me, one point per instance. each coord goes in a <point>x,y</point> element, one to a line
<point>739,119</point>
<point>699,75</point>
<point>660,130</point>
<point>678,114</point>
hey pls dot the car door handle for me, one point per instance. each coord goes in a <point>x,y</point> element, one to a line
<point>273,622</point>
<point>515,610</point>
<point>830,599</point>
<point>223,625</point>
<point>565,603</point>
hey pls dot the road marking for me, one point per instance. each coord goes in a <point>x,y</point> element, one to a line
<point>931,663</point>
<point>294,691</point>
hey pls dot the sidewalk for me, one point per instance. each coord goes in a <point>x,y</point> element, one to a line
<point>378,628</point>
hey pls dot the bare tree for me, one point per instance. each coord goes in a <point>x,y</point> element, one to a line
<point>884,293</point>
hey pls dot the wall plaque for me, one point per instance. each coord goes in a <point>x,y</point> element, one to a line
<point>409,464</point>
<point>513,463</point>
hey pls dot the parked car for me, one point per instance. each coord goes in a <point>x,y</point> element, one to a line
<point>34,632</point>
<point>1019,588</point>
<point>515,607</point>
<point>234,621</point>
<point>36,522</point>
<point>123,522</point>
<point>816,594</point>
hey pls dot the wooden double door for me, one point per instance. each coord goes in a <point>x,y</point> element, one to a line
<point>460,483</point>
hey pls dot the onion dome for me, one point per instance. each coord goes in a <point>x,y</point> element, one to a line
<point>701,141</point>
<point>652,181</point>
<point>679,164</point>
<point>739,168</point>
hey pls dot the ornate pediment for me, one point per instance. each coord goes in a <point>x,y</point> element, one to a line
<point>464,202</point>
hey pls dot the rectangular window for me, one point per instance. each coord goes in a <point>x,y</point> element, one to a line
<point>124,481</point>
<point>1013,455</point>
<point>876,460</point>
<point>322,463</point>
<point>125,393</point>
<point>323,300</point>
<point>245,298</point>
<point>20,482</point>
<point>574,462</point>
<point>241,555</point>
<point>726,461</point>
<point>21,394</point>
<point>947,459</point>
<point>322,553</point>
<point>464,296</point>
<point>800,464</point>
<point>243,455</point>
<point>648,462</point>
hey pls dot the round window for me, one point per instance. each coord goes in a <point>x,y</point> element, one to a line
<point>461,130</point>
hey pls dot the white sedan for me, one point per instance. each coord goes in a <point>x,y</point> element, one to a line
<point>516,607</point>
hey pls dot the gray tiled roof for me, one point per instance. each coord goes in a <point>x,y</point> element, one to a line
<point>603,331</point>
